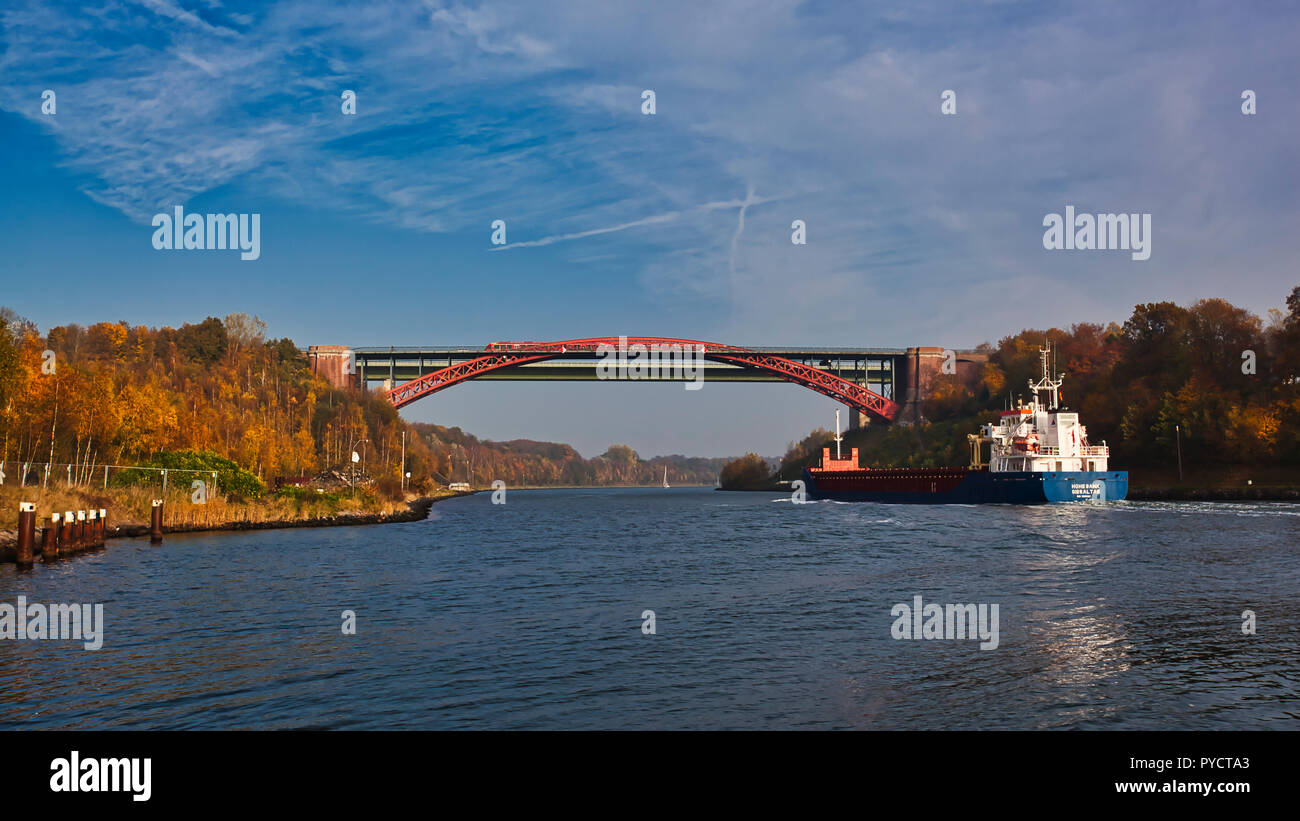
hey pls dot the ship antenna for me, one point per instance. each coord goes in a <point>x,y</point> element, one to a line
<point>838,438</point>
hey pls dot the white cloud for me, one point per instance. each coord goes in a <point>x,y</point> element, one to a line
<point>530,113</point>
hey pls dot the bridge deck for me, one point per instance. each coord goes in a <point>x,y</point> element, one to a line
<point>780,350</point>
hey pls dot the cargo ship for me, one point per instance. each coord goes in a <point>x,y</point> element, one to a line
<point>1038,453</point>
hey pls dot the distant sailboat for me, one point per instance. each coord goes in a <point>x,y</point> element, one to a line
<point>665,477</point>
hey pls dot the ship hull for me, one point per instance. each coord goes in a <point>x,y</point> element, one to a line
<point>963,486</point>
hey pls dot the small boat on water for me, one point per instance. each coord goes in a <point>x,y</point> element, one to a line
<point>1038,453</point>
<point>665,477</point>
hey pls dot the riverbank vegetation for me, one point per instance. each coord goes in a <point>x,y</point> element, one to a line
<point>111,405</point>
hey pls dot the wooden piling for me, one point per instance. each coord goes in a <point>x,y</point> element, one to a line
<point>155,523</point>
<point>50,539</point>
<point>103,526</point>
<point>79,532</point>
<point>26,533</point>
<point>92,529</point>
<point>66,547</point>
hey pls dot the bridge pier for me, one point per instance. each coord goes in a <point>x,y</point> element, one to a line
<point>857,419</point>
<point>331,363</point>
<point>921,367</point>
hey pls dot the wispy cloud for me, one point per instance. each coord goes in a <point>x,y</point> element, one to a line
<point>527,112</point>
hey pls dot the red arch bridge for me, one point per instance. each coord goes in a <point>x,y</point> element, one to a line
<point>882,384</point>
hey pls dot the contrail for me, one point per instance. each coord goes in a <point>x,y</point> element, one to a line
<point>660,218</point>
<point>735,238</point>
<point>657,219</point>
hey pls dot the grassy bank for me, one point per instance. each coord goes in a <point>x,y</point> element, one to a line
<point>129,508</point>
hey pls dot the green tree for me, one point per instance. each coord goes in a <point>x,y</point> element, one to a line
<point>205,343</point>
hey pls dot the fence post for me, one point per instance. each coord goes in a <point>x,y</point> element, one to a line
<point>26,532</point>
<point>105,477</point>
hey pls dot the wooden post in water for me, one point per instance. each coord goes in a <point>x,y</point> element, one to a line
<point>80,532</point>
<point>155,523</point>
<point>50,539</point>
<point>92,528</point>
<point>103,526</point>
<point>66,546</point>
<point>1178,431</point>
<point>26,533</point>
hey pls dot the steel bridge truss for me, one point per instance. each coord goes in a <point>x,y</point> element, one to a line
<point>501,355</point>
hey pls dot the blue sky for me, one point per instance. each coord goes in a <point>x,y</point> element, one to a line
<point>923,229</point>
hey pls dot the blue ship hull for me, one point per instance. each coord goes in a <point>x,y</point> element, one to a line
<point>963,487</point>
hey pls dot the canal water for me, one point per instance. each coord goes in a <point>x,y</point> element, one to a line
<point>767,614</point>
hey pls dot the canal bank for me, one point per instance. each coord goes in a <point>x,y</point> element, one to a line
<point>417,509</point>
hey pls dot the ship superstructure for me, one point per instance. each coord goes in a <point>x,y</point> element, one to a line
<point>1039,436</point>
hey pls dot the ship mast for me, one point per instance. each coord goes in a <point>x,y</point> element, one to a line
<point>1047,383</point>
<point>838,438</point>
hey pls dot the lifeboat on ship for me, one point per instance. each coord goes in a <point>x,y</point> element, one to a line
<point>1026,444</point>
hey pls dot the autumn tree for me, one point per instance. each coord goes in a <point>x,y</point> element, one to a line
<point>748,472</point>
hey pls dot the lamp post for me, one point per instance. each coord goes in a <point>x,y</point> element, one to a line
<point>355,459</point>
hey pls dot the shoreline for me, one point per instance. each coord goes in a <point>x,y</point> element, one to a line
<point>590,487</point>
<point>418,510</point>
<point>1146,494</point>
<point>1214,494</point>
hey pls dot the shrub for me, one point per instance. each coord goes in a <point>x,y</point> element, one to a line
<point>231,478</point>
<point>390,488</point>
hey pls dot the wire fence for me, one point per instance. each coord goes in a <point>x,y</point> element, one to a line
<point>47,474</point>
